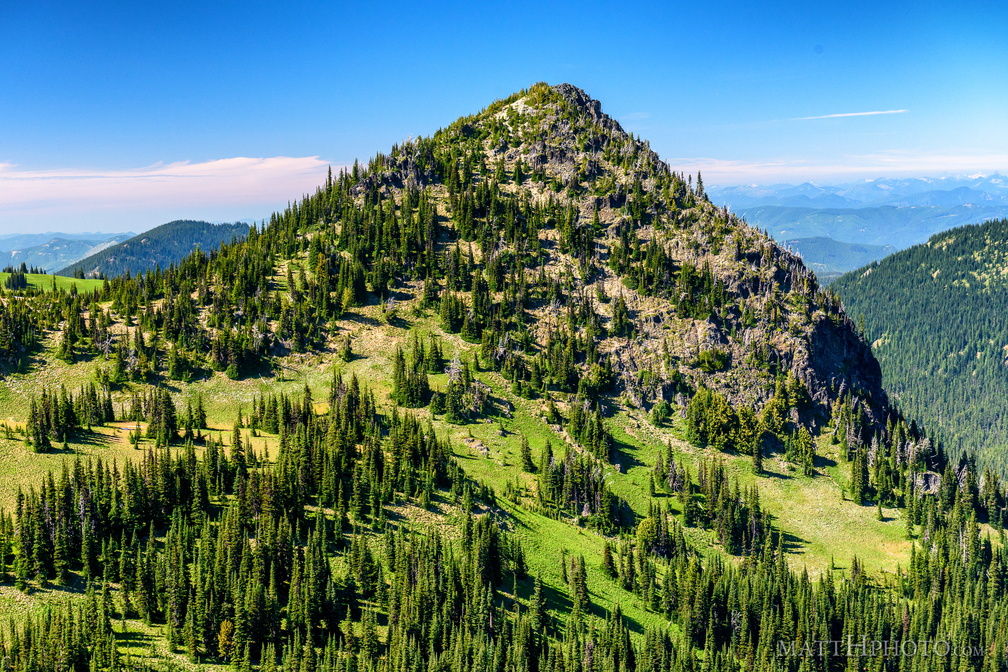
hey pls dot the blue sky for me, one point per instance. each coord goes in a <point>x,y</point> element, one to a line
<point>118,116</point>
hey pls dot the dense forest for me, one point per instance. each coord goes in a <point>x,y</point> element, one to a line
<point>935,313</point>
<point>161,246</point>
<point>579,269</point>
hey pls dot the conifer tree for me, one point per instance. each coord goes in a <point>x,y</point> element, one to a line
<point>526,455</point>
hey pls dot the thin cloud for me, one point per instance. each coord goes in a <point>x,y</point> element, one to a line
<point>209,189</point>
<point>851,114</point>
<point>221,180</point>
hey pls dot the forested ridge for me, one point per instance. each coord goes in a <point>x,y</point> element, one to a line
<point>557,254</point>
<point>161,246</point>
<point>935,314</point>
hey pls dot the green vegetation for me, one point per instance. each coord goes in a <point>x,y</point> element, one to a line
<point>934,314</point>
<point>434,416</point>
<point>45,282</point>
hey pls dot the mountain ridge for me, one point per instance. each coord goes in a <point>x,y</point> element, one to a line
<point>161,246</point>
<point>59,252</point>
<point>831,258</point>
<point>892,212</point>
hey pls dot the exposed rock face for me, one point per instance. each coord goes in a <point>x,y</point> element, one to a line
<point>588,105</point>
<point>838,360</point>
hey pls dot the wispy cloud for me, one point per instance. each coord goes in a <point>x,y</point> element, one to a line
<point>851,114</point>
<point>210,189</point>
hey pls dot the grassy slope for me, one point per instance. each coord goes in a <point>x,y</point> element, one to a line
<point>45,281</point>
<point>820,524</point>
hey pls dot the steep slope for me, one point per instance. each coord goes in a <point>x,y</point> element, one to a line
<point>607,218</point>
<point>161,246</point>
<point>935,313</point>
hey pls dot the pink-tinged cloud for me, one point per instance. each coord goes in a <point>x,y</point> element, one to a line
<point>207,190</point>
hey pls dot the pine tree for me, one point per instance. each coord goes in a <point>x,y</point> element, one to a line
<point>61,557</point>
<point>858,478</point>
<point>526,455</point>
<point>607,560</point>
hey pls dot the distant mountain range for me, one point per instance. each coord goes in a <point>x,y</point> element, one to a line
<point>161,246</point>
<point>53,250</point>
<point>18,241</point>
<point>887,212</point>
<point>974,190</point>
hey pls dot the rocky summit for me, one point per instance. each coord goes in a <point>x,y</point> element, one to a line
<point>708,300</point>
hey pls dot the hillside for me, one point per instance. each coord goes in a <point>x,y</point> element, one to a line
<point>161,246</point>
<point>516,396</point>
<point>935,313</point>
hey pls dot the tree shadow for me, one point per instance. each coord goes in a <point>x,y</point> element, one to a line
<point>84,357</point>
<point>556,600</point>
<point>399,322</point>
<point>773,474</point>
<point>57,448</point>
<point>92,439</point>
<point>792,543</point>
<point>132,637</point>
<point>621,456</point>
<point>352,316</point>
<point>823,462</point>
<point>22,364</point>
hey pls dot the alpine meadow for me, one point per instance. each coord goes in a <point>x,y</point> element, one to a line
<point>514,397</point>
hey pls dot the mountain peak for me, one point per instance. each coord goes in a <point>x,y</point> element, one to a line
<point>606,217</point>
<point>560,110</point>
<point>579,99</point>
